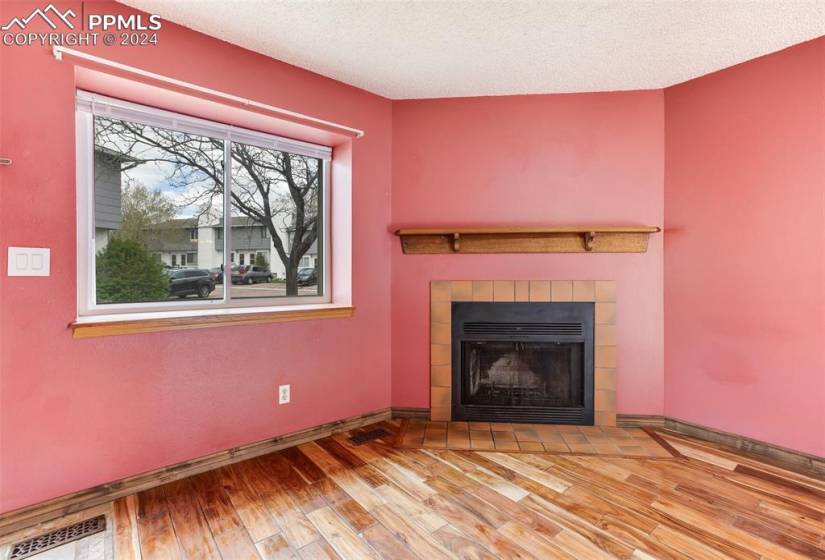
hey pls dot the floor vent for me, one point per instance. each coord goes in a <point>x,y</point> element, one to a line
<point>364,437</point>
<point>58,537</point>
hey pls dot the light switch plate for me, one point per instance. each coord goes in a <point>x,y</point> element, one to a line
<point>28,261</point>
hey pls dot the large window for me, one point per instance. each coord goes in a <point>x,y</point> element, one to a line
<point>180,212</point>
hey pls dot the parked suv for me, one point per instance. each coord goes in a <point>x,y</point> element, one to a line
<point>307,277</point>
<point>190,281</point>
<point>249,274</point>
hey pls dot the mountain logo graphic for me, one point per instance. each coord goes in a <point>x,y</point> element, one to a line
<point>21,23</point>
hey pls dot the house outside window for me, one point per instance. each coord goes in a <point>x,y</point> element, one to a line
<point>156,184</point>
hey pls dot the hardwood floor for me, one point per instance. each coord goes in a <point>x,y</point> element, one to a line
<point>333,499</point>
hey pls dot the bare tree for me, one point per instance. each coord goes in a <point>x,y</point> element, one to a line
<point>276,189</point>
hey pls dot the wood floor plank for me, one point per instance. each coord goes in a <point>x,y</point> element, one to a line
<point>275,547</point>
<point>359,490</point>
<point>350,510</point>
<point>157,537</point>
<point>462,546</point>
<point>579,547</point>
<point>340,537</point>
<point>781,537</point>
<point>191,528</point>
<point>536,545</point>
<point>318,550</point>
<point>575,524</point>
<point>230,535</point>
<point>386,544</point>
<point>483,510</point>
<point>253,513</point>
<point>127,541</point>
<point>640,539</point>
<point>419,541</point>
<point>295,527</point>
<point>686,544</point>
<point>344,455</point>
<point>302,465</point>
<point>477,529</point>
<point>751,542</point>
<point>405,478</point>
<point>525,469</point>
<point>641,502</point>
<point>484,476</point>
<point>415,509</point>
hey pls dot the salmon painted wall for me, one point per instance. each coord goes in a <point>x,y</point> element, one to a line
<point>745,249</point>
<point>531,160</point>
<point>76,413</point>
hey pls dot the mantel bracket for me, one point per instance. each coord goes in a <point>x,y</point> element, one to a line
<point>456,242</point>
<point>589,238</point>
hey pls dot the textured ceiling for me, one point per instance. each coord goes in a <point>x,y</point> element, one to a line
<point>416,48</point>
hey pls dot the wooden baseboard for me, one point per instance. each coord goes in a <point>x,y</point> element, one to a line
<point>64,505</point>
<point>640,421</point>
<point>411,412</point>
<point>767,452</point>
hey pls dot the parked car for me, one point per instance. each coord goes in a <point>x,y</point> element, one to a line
<point>307,277</point>
<point>190,281</point>
<point>216,274</point>
<point>249,274</point>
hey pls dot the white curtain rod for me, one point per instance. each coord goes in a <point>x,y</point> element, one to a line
<point>59,51</point>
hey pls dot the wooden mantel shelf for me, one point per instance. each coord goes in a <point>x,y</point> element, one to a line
<point>563,239</point>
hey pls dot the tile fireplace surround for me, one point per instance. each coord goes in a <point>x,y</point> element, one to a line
<point>601,292</point>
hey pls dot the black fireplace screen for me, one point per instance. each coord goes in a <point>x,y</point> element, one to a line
<point>523,373</point>
<point>522,362</point>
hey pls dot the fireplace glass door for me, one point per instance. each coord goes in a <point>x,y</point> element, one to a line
<point>507,373</point>
<point>524,362</point>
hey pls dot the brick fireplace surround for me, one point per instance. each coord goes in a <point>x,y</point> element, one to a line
<point>601,292</point>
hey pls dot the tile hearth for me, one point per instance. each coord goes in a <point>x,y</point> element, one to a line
<point>600,292</point>
<point>530,438</point>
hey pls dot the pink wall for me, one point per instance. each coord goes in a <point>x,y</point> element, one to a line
<point>76,413</point>
<point>744,156</point>
<point>545,159</point>
<point>745,249</point>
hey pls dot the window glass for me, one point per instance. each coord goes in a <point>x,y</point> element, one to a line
<point>280,193</point>
<point>153,187</point>
<point>159,221</point>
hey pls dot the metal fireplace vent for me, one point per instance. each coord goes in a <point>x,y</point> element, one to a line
<point>58,537</point>
<point>524,329</point>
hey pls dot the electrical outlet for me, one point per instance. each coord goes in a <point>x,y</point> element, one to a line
<point>283,394</point>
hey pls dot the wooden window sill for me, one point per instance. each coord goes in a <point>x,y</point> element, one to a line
<point>88,327</point>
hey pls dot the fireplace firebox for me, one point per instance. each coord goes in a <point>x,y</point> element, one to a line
<point>522,362</point>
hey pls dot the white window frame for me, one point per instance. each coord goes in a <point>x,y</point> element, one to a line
<point>89,105</point>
